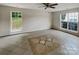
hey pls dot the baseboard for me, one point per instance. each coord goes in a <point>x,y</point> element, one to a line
<point>22,33</point>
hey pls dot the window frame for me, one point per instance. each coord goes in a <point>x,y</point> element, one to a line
<point>11,30</point>
<point>68,22</point>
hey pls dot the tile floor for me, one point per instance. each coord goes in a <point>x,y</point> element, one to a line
<point>20,45</point>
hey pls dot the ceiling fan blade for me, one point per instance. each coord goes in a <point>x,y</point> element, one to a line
<point>52,7</point>
<point>46,4</point>
<point>54,4</point>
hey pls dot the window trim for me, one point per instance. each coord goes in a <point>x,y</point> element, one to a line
<point>68,23</point>
<point>11,22</point>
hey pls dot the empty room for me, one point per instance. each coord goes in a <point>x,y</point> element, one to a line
<point>39,28</point>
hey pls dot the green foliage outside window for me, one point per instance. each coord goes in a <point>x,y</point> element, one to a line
<point>16,14</point>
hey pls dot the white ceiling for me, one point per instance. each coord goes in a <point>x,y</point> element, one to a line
<point>39,6</point>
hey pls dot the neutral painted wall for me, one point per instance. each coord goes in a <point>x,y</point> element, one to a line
<point>32,20</point>
<point>56,20</point>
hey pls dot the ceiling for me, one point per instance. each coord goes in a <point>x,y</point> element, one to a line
<point>40,6</point>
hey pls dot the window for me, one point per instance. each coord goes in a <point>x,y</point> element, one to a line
<point>69,21</point>
<point>16,21</point>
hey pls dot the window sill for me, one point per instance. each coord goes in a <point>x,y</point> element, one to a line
<point>69,30</point>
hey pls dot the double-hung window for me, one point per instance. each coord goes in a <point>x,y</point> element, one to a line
<point>69,21</point>
<point>16,21</point>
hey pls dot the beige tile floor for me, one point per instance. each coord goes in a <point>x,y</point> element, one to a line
<point>19,44</point>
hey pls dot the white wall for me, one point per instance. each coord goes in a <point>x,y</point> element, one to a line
<point>32,20</point>
<point>56,20</point>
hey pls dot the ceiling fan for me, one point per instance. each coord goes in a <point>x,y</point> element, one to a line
<point>49,5</point>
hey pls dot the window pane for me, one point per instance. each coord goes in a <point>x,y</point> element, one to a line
<point>64,17</point>
<point>19,15</point>
<point>73,26</point>
<point>16,14</point>
<point>64,25</point>
<point>13,14</point>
